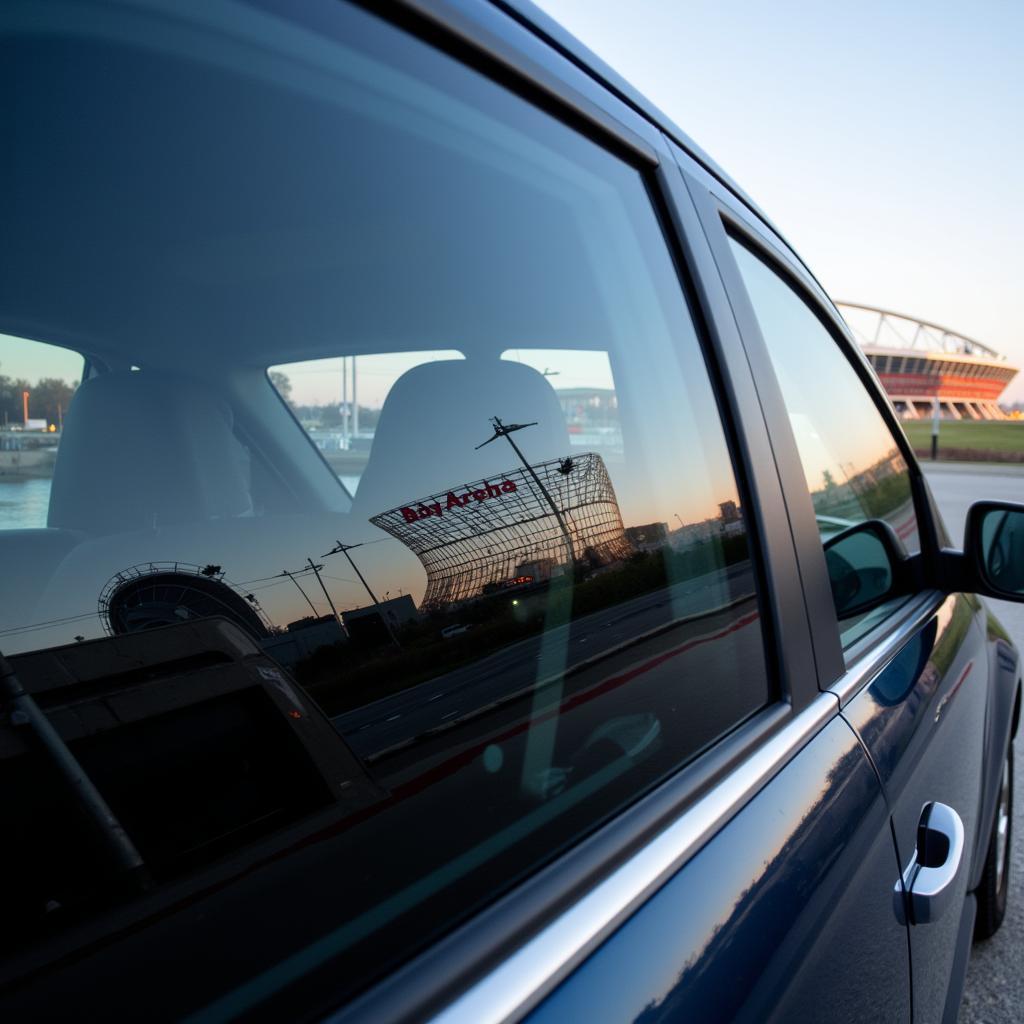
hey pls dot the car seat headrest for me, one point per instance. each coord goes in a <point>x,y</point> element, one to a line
<point>435,415</point>
<point>143,449</point>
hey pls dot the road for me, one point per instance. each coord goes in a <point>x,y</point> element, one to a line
<point>995,975</point>
<point>412,713</point>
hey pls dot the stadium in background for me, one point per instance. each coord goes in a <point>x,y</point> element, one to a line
<point>920,362</point>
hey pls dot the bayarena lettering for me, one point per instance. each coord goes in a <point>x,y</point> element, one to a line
<point>488,490</point>
<point>525,526</point>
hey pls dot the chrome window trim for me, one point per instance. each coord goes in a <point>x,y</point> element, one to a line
<point>522,980</point>
<point>879,652</point>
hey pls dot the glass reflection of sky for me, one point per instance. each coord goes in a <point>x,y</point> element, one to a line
<point>837,427</point>
<point>514,237</point>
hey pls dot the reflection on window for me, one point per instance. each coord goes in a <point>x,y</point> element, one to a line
<point>338,402</point>
<point>37,383</point>
<point>586,391</point>
<point>368,718</point>
<point>854,470</point>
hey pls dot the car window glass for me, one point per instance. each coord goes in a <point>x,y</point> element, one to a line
<point>36,385</point>
<point>853,468</point>
<point>331,729</point>
<point>338,401</point>
<point>585,387</point>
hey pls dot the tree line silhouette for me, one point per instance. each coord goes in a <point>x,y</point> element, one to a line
<point>48,399</point>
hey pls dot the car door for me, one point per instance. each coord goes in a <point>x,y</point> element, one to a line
<point>914,682</point>
<point>733,927</point>
<point>631,730</point>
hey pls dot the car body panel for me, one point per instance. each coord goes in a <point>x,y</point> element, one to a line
<point>923,721</point>
<point>752,928</point>
<point>609,985</point>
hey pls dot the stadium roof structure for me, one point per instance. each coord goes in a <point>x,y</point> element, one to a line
<point>505,530</point>
<point>154,594</point>
<point>921,363</point>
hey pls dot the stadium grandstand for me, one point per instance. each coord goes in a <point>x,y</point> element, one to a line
<point>920,363</point>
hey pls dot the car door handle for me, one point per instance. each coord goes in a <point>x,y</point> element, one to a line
<point>927,887</point>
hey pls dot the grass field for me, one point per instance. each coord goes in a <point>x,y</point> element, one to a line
<point>998,437</point>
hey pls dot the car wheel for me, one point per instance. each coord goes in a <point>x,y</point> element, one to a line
<point>995,881</point>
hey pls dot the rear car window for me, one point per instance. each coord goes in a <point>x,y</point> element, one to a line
<point>338,696</point>
<point>852,464</point>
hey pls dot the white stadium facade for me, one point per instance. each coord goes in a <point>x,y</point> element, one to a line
<point>920,363</point>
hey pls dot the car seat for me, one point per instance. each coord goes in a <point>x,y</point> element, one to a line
<point>143,450</point>
<point>435,416</point>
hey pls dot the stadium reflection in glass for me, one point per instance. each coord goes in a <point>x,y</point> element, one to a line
<point>518,530</point>
<point>528,573</point>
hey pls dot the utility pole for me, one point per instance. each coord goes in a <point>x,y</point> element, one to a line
<point>316,572</point>
<point>344,549</point>
<point>355,400</point>
<point>344,400</point>
<point>291,576</point>
<point>506,431</point>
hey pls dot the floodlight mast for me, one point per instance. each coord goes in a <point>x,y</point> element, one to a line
<point>506,430</point>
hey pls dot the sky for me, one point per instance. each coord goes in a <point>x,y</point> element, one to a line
<point>883,140</point>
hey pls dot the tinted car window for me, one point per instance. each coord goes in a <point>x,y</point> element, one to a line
<point>853,468</point>
<point>337,401</point>
<point>333,723</point>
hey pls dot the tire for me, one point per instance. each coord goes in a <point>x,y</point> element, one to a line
<point>995,880</point>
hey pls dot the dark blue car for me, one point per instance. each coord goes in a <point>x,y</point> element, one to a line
<point>456,563</point>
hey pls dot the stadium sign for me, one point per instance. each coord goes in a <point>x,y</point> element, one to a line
<point>424,511</point>
<point>475,537</point>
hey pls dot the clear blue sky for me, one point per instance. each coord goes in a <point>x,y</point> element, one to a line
<point>886,141</point>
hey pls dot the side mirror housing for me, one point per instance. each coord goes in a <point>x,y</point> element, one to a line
<point>867,566</point>
<point>993,558</point>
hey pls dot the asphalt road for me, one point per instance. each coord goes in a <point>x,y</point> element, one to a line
<point>389,722</point>
<point>995,975</point>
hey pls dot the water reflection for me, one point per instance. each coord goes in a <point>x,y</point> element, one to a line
<point>24,503</point>
<point>27,459</point>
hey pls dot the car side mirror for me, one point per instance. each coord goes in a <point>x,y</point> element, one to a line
<point>866,567</point>
<point>994,550</point>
